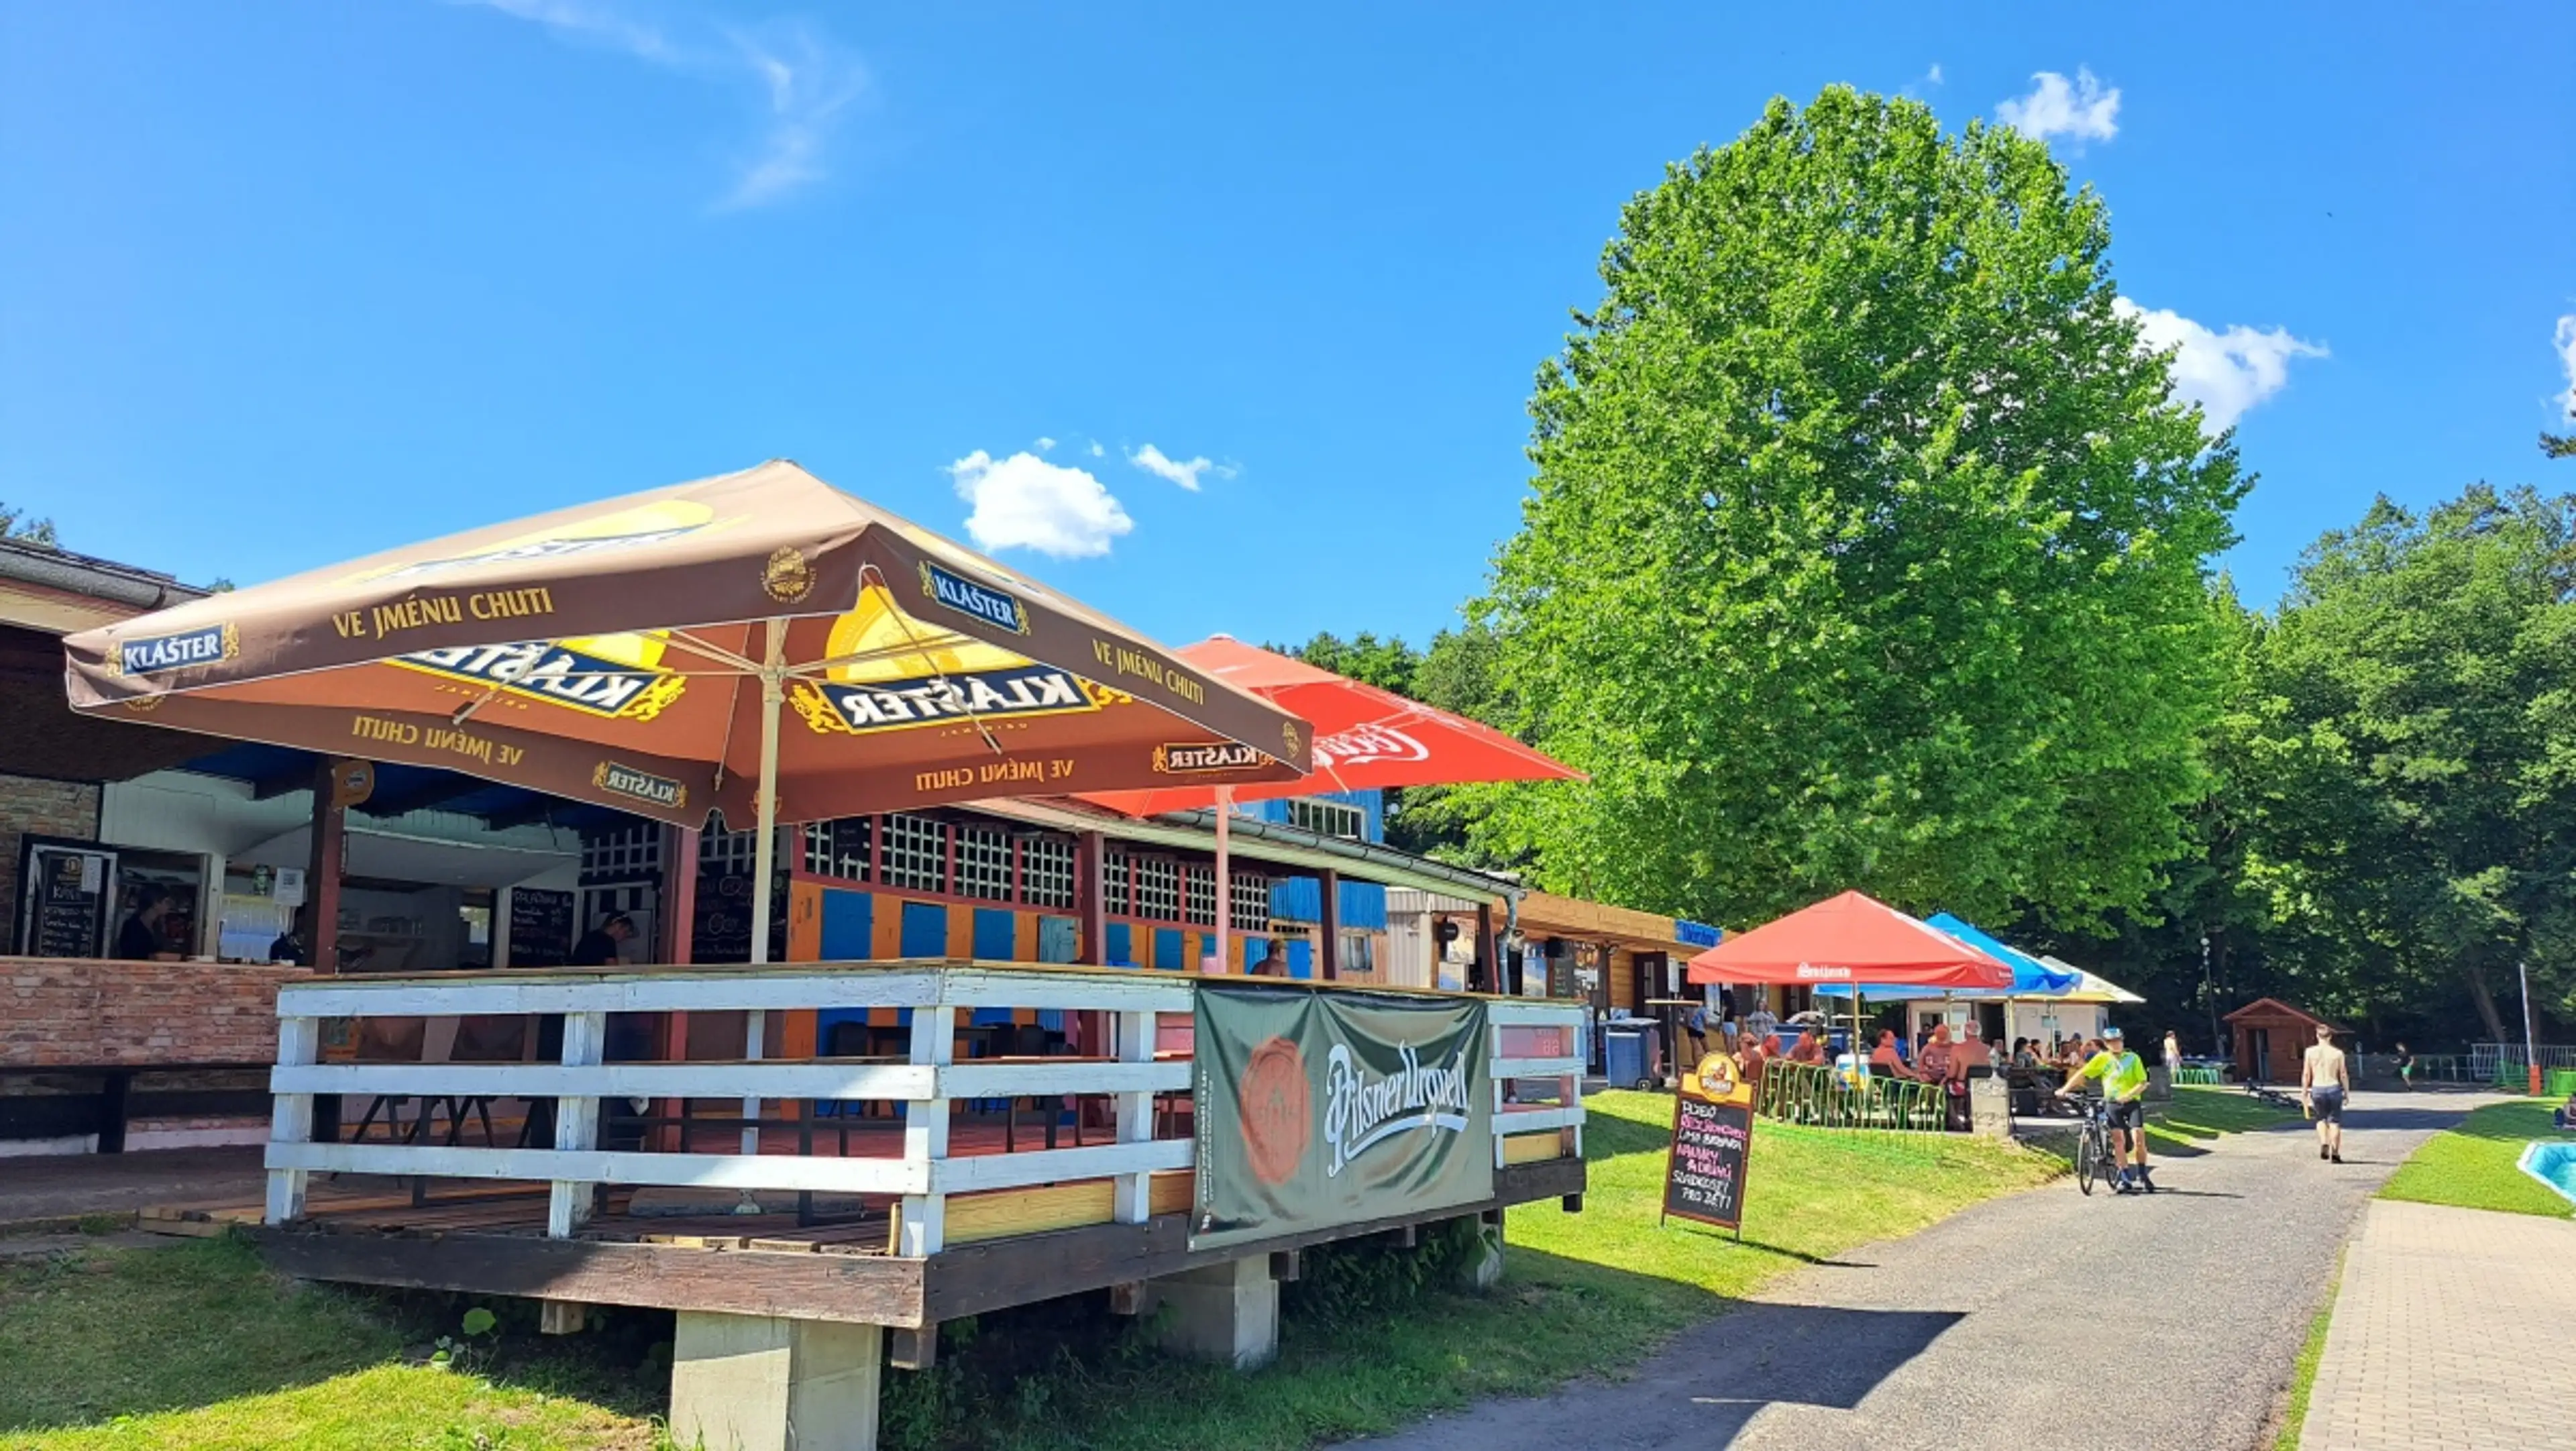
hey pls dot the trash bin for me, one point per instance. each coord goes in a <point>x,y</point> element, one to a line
<point>1625,1049</point>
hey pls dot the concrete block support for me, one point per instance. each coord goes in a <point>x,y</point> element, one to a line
<point>1226,1313</point>
<point>763,1383</point>
<point>1990,1107</point>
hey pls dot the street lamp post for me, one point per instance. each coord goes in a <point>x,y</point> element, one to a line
<point>2209,995</point>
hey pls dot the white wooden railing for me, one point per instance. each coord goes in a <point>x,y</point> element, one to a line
<point>1557,1030</point>
<point>922,1177</point>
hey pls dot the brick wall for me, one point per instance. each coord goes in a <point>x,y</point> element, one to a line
<point>32,807</point>
<point>61,1014</point>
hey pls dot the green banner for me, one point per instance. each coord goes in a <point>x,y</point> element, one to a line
<point>1325,1108</point>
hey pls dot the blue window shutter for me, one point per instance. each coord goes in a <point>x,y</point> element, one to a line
<point>1058,938</point>
<point>1167,948</point>
<point>849,925</point>
<point>925,929</point>
<point>1122,945</point>
<point>996,935</point>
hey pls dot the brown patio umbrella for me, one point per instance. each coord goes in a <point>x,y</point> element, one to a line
<point>641,652</point>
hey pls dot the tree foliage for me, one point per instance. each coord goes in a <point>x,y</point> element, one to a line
<point>14,524</point>
<point>1865,546</point>
<point>2418,745</point>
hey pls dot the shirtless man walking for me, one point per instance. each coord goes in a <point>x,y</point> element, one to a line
<point>2325,1077</point>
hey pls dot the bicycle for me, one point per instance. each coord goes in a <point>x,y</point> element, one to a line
<point>2095,1160</point>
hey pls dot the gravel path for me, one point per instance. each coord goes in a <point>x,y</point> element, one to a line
<point>1995,1327</point>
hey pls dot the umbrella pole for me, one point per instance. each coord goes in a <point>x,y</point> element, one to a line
<point>764,861</point>
<point>1224,878</point>
<point>764,847</point>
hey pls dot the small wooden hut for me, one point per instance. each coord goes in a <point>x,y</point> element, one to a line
<point>2270,1037</point>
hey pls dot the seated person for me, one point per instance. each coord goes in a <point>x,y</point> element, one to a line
<point>2564,1116</point>
<point>1940,1060</point>
<point>1810,1049</point>
<point>1885,1059</point>
<point>1973,1054</point>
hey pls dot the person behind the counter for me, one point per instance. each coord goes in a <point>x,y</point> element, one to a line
<point>141,939</point>
<point>598,946</point>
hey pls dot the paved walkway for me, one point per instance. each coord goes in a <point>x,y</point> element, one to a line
<point>2454,1330</point>
<point>1995,1327</point>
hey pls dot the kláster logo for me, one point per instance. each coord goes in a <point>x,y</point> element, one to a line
<point>1360,1111</point>
<point>1028,690</point>
<point>787,578</point>
<point>559,674</point>
<point>1361,744</point>
<point>1185,759</point>
<point>641,785</point>
<point>156,653</point>
<point>964,595</point>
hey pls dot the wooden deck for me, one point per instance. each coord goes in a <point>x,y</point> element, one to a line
<point>492,1240</point>
<point>889,1191</point>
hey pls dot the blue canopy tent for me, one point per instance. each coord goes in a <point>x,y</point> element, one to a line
<point>2032,978</point>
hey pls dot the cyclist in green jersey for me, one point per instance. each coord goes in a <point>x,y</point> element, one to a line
<point>2124,1084</point>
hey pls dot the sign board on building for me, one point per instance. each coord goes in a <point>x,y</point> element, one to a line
<point>1320,1109</point>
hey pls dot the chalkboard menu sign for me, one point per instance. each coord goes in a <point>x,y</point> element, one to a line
<point>540,927</point>
<point>64,893</point>
<point>1704,1178</point>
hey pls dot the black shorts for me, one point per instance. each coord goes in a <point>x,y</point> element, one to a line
<point>2131,1114</point>
<point>2326,1105</point>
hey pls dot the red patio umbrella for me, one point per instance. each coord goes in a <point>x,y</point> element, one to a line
<point>1366,739</point>
<point>1848,939</point>
<point>1853,938</point>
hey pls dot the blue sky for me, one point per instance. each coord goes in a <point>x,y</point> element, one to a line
<point>284,283</point>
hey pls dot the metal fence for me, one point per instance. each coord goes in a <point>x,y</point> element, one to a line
<point>2507,1063</point>
<point>1800,1093</point>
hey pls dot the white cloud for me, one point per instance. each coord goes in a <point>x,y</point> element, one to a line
<point>2056,107</point>
<point>2226,373</point>
<point>805,78</point>
<point>1184,472</point>
<point>1097,451</point>
<point>1024,502</point>
<point>1045,445</point>
<point>2567,360</point>
<point>1932,77</point>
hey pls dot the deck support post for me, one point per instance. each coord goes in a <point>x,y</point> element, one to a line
<point>1227,1313</point>
<point>766,1383</point>
<point>1132,1197</point>
<point>921,1226</point>
<point>576,1123</point>
<point>299,1045</point>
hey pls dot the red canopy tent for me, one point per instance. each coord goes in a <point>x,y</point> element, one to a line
<point>1853,938</point>
<point>1366,739</point>
<point>1847,939</point>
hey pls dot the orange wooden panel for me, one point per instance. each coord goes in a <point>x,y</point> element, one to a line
<point>804,922</point>
<point>961,931</point>
<point>885,927</point>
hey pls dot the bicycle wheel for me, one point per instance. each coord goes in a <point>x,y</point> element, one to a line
<point>2086,1159</point>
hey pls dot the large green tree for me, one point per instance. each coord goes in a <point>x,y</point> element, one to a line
<point>2418,837</point>
<point>1865,545</point>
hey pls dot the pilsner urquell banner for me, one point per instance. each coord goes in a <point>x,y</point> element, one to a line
<point>1317,1109</point>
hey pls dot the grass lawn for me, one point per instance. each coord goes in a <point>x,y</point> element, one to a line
<point>2475,1165</point>
<point>195,1346</point>
<point>202,1349</point>
<point>2198,1115</point>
